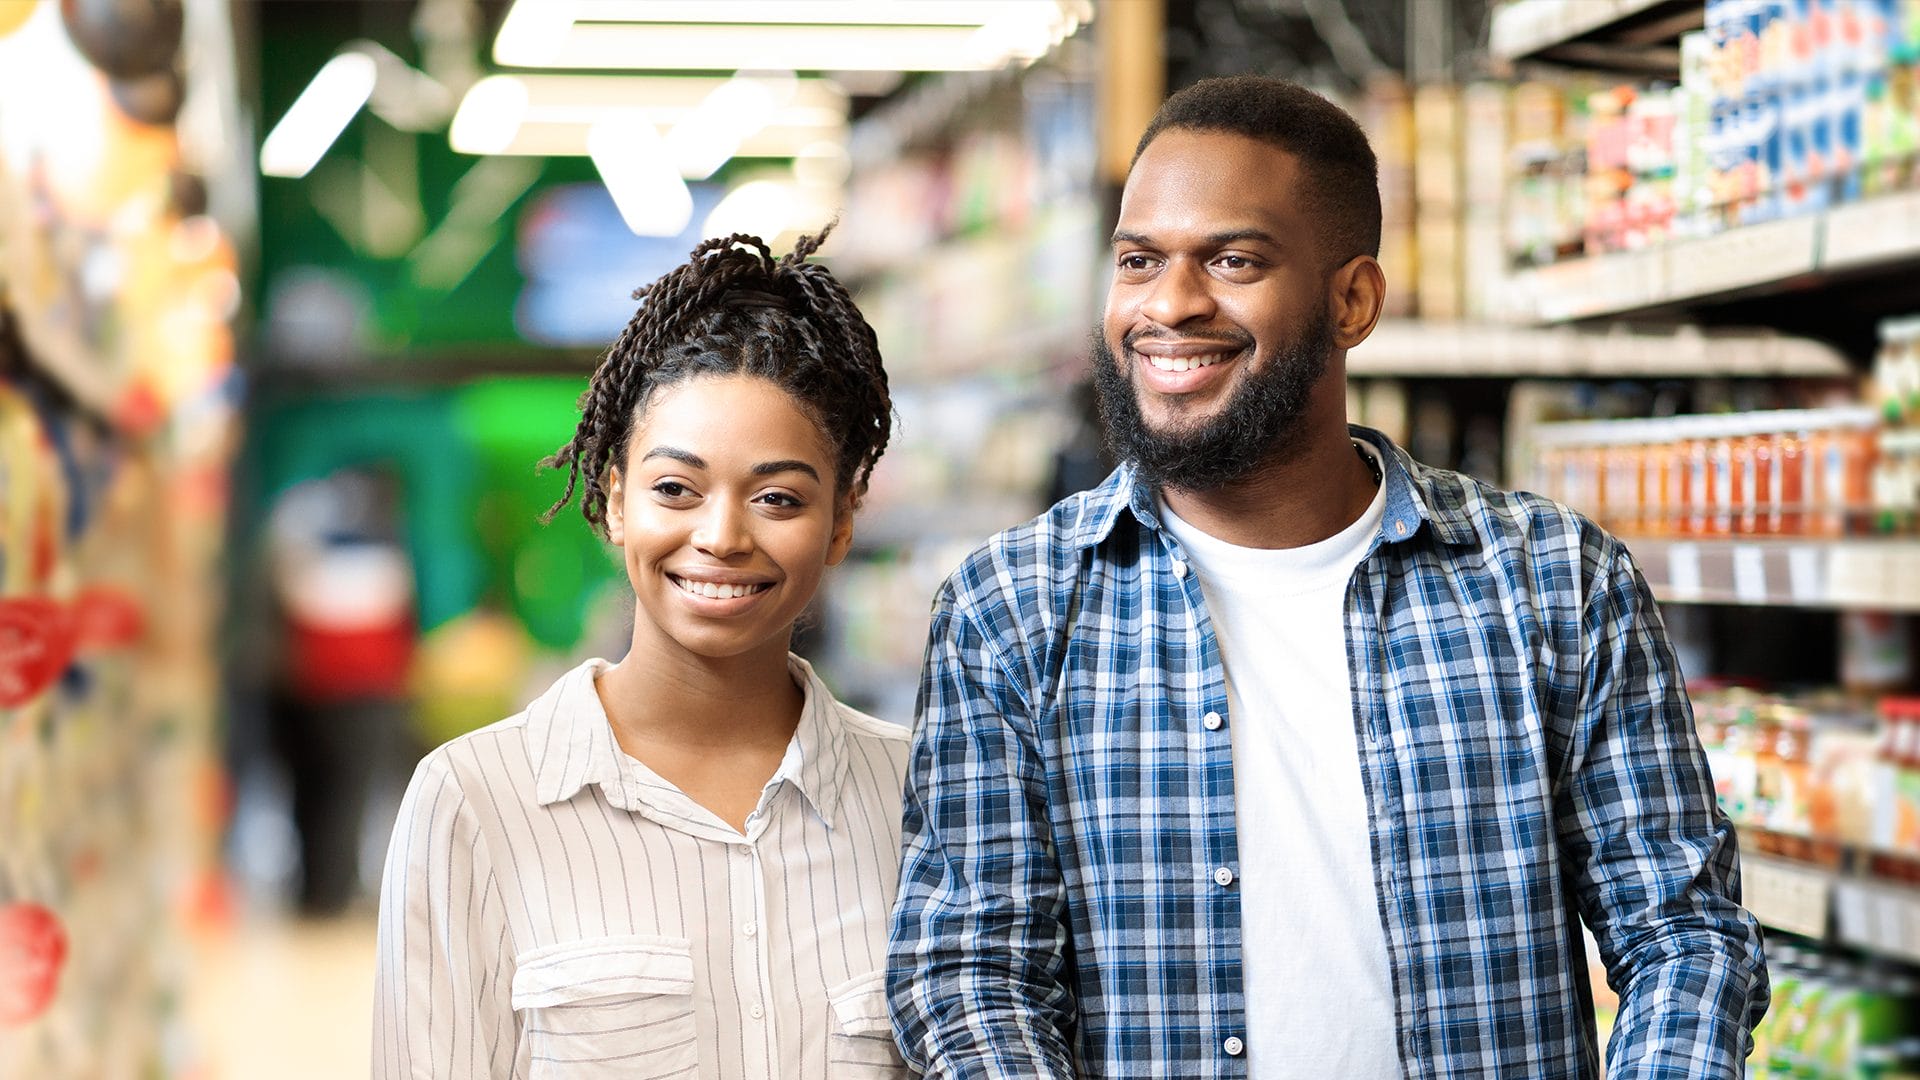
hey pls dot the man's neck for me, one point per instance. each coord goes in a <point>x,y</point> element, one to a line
<point>1301,496</point>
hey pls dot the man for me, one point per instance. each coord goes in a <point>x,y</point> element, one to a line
<point>1280,754</point>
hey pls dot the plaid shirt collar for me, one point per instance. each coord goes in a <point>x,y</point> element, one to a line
<point>1411,501</point>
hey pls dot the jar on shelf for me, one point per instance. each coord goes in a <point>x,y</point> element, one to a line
<point>1786,515</point>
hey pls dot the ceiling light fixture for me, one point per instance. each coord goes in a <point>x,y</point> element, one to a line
<point>714,131</point>
<point>317,117</point>
<point>632,160</point>
<point>837,12</point>
<point>824,35</point>
<point>550,115</point>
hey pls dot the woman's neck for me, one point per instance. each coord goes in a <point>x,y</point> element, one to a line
<point>661,694</point>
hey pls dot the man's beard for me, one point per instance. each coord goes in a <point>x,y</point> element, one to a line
<point>1259,421</point>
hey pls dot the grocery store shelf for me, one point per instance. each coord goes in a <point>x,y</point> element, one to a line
<point>1618,35</point>
<point>1786,895</point>
<point>1747,261</point>
<point>1881,230</point>
<point>1876,916</point>
<point>1414,349</point>
<point>1877,575</point>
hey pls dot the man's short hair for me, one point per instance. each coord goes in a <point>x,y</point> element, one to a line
<point>1342,176</point>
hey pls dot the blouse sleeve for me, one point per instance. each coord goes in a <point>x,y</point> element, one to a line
<point>442,989</point>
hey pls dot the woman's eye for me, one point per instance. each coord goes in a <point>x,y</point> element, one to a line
<point>780,499</point>
<point>669,489</point>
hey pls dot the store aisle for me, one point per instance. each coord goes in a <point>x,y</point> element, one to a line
<point>285,998</point>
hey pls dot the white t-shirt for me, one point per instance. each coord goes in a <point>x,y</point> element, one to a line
<point>1319,991</point>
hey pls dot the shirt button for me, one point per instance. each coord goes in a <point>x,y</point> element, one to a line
<point>1180,568</point>
<point>756,1011</point>
<point>1233,1046</point>
<point>1223,876</point>
<point>750,929</point>
<point>1400,527</point>
<point>1211,721</point>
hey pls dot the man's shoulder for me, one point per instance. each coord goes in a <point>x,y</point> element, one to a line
<point>1036,555</point>
<point>1514,526</point>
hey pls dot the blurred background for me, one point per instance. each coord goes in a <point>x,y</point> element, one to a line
<point>294,296</point>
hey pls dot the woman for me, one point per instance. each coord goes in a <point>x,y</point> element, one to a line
<point>680,864</point>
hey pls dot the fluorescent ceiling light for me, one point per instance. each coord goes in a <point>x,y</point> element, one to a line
<point>532,31</point>
<point>551,115</point>
<point>992,36</point>
<point>490,115</point>
<point>762,208</point>
<point>403,95</point>
<point>652,198</point>
<point>704,139</point>
<point>840,12</point>
<point>317,117</point>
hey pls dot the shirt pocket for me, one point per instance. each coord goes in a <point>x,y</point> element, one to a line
<point>860,1045</point>
<point>609,1007</point>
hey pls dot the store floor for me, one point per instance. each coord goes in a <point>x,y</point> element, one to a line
<point>275,996</point>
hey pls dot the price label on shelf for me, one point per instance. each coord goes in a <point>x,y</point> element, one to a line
<point>1878,917</point>
<point>1858,574</point>
<point>1683,571</point>
<point>1803,575</point>
<point>1749,574</point>
<point>1750,255</point>
<point>1903,577</point>
<point>1873,231</point>
<point>1786,897</point>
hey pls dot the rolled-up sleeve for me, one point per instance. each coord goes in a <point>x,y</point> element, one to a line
<point>1655,862</point>
<point>979,949</point>
<point>442,988</point>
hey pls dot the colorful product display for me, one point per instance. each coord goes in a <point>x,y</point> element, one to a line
<point>1833,1018</point>
<point>1787,472</point>
<point>106,784</point>
<point>1846,471</point>
<point>117,296</point>
<point>1783,108</point>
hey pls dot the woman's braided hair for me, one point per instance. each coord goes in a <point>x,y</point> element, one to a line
<point>732,309</point>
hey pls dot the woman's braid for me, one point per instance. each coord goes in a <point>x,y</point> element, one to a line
<point>731,308</point>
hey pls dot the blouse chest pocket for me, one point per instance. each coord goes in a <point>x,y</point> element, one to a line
<point>608,1007</point>
<point>860,1045</point>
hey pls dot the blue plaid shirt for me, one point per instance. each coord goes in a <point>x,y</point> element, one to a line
<point>1068,903</point>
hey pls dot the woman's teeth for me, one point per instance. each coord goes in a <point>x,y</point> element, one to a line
<point>1187,363</point>
<point>713,590</point>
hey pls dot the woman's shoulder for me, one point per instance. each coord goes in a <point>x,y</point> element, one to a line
<point>492,757</point>
<point>862,724</point>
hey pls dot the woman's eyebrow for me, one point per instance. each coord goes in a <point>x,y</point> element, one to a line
<point>769,468</point>
<point>674,453</point>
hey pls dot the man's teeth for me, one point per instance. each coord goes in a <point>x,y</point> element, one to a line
<point>1187,363</point>
<point>713,590</point>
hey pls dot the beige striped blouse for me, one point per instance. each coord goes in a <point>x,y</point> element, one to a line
<point>555,910</point>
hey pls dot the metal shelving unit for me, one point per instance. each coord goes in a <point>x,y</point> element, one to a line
<point>1806,572</point>
<point>1618,35</point>
<point>1415,349</point>
<point>1752,260</point>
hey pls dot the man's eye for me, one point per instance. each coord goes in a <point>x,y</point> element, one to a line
<point>1134,262</point>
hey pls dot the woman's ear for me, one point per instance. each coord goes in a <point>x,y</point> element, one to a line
<point>616,506</point>
<point>842,541</point>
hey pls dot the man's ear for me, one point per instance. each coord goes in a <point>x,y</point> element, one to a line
<point>842,541</point>
<point>1357,294</point>
<point>616,506</point>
